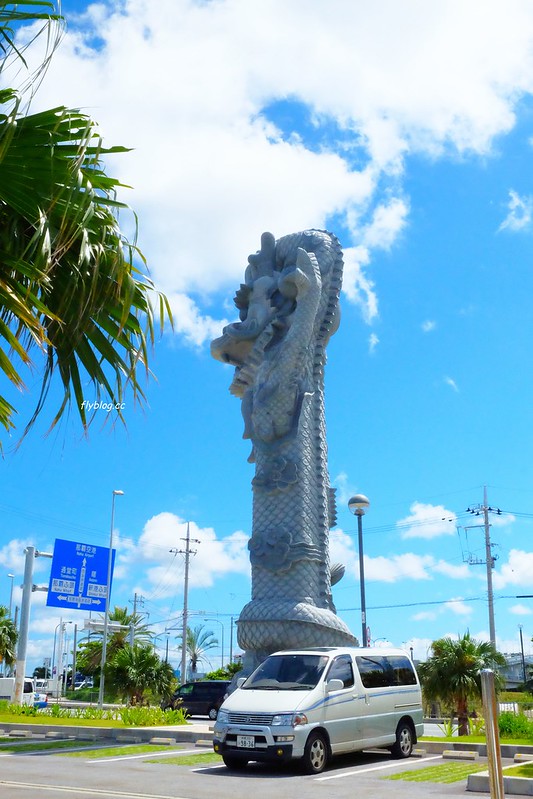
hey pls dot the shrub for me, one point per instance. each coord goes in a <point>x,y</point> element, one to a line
<point>515,725</point>
<point>150,716</point>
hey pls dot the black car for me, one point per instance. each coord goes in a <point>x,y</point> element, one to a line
<point>201,698</point>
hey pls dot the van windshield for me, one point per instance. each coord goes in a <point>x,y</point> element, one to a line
<point>287,673</point>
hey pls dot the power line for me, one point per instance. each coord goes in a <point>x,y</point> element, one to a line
<point>433,602</point>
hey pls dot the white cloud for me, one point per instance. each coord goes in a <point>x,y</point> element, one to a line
<point>451,570</point>
<point>520,610</point>
<point>424,615</point>
<point>190,87</point>
<point>211,557</point>
<point>357,286</point>
<point>390,569</point>
<point>12,556</point>
<point>196,328</point>
<point>519,212</point>
<point>428,326</point>
<point>517,570</point>
<point>398,567</point>
<point>387,222</point>
<point>501,521</point>
<point>427,521</point>
<point>459,607</point>
<point>420,647</point>
<point>451,382</point>
<point>342,548</point>
<point>373,342</point>
<point>344,490</point>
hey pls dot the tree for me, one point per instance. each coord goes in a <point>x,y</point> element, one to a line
<point>8,638</point>
<point>69,289</point>
<point>199,641</point>
<point>89,656</point>
<point>135,670</point>
<point>452,673</point>
<point>226,673</point>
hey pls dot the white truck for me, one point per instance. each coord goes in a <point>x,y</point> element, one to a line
<point>29,695</point>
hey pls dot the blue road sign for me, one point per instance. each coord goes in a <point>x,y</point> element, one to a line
<point>78,578</point>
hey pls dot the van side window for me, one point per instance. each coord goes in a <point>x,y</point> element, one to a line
<point>374,671</point>
<point>341,669</point>
<point>403,670</point>
<point>186,690</point>
<point>28,687</point>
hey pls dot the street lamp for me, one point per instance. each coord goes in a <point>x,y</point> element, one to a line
<point>62,624</point>
<point>12,577</point>
<point>116,493</point>
<point>222,648</point>
<point>357,505</point>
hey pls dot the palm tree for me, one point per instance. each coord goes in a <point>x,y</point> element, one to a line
<point>8,638</point>
<point>135,670</point>
<point>89,656</point>
<point>69,289</point>
<point>452,673</point>
<point>199,641</point>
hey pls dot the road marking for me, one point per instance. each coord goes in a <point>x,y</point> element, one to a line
<point>146,754</point>
<point>208,768</point>
<point>372,768</point>
<point>89,791</point>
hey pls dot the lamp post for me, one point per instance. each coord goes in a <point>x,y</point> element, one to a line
<point>12,577</point>
<point>60,654</point>
<point>222,648</point>
<point>357,505</point>
<point>54,649</point>
<point>116,493</point>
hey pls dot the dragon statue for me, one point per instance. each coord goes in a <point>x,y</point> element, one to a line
<point>289,308</point>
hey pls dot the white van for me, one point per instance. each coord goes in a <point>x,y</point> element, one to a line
<point>29,694</point>
<point>315,703</point>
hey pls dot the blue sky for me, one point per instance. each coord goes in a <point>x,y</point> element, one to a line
<point>407,130</point>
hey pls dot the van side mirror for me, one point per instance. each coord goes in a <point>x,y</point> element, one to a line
<point>241,681</point>
<point>334,685</point>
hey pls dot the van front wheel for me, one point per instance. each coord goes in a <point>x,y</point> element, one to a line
<point>315,754</point>
<point>404,741</point>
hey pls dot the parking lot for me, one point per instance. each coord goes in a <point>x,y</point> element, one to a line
<point>138,776</point>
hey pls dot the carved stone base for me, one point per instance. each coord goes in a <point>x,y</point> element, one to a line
<point>265,626</point>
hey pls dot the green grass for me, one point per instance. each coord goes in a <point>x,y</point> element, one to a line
<point>34,746</point>
<point>475,739</point>
<point>445,773</point>
<point>203,759</point>
<point>117,751</point>
<point>524,770</point>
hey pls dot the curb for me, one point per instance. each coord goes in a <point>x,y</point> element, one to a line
<point>124,734</point>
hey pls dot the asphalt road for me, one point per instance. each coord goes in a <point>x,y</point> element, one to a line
<point>44,775</point>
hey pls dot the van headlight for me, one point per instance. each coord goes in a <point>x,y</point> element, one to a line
<point>223,717</point>
<point>289,719</point>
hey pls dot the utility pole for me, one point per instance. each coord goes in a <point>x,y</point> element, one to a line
<point>22,645</point>
<point>140,599</point>
<point>489,558</point>
<point>187,552</point>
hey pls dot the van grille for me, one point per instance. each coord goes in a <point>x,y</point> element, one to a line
<point>250,718</point>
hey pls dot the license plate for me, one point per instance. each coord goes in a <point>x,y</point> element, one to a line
<point>245,741</point>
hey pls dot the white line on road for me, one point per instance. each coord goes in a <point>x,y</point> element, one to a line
<point>146,754</point>
<point>372,768</point>
<point>88,791</point>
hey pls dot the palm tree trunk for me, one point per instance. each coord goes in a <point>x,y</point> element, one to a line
<point>462,717</point>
